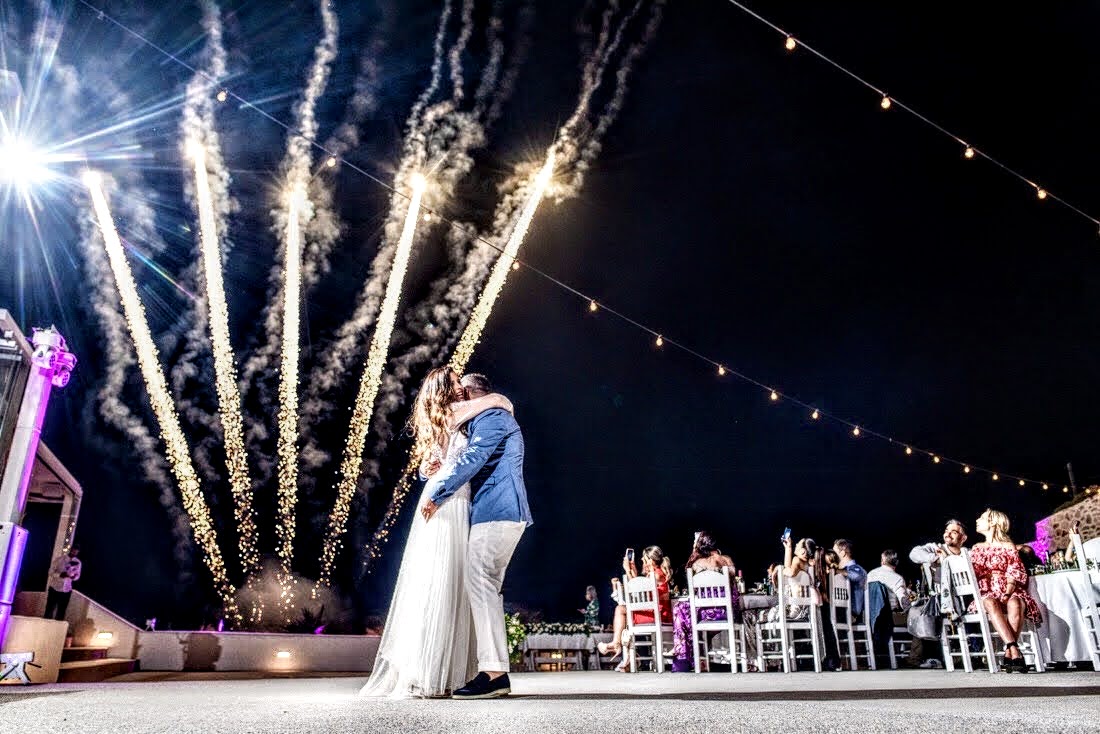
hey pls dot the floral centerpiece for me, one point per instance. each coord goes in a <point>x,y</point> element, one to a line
<point>517,633</point>
<point>560,628</point>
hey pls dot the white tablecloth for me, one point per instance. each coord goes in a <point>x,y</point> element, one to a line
<point>559,642</point>
<point>1060,596</point>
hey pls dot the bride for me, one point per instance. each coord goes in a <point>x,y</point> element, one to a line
<point>427,648</point>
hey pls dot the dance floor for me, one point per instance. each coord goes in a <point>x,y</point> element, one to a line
<point>893,701</point>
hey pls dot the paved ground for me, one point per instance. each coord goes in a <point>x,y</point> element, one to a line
<point>594,703</point>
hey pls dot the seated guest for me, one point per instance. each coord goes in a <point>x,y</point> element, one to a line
<point>655,564</point>
<point>591,611</point>
<point>888,575</point>
<point>857,577</point>
<point>825,563</point>
<point>796,567</point>
<point>1002,582</point>
<point>930,554</point>
<point>705,556</point>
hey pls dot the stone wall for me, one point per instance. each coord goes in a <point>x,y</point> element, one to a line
<point>1052,533</point>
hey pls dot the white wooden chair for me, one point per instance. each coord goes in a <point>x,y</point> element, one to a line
<point>1090,615</point>
<point>781,633</point>
<point>641,596</point>
<point>965,586</point>
<point>900,641</point>
<point>840,594</point>
<point>713,590</point>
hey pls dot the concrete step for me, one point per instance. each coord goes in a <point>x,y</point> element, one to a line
<point>74,654</point>
<point>93,671</point>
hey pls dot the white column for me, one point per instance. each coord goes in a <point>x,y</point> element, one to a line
<point>51,365</point>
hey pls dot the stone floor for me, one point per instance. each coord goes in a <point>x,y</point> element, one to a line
<point>595,702</point>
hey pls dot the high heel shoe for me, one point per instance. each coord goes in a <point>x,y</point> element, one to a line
<point>607,648</point>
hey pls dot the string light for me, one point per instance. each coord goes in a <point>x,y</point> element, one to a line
<point>427,216</point>
<point>908,451</point>
<point>593,306</point>
<point>887,102</point>
<point>1045,486</point>
<point>160,397</point>
<point>816,414</point>
<point>660,341</point>
<point>369,384</point>
<point>515,265</point>
<point>222,95</point>
<point>225,373</point>
<point>721,371</point>
<point>935,459</point>
<point>791,44</point>
<point>1065,490</point>
<point>855,431</point>
<point>331,162</point>
<point>774,396</point>
<point>1041,193</point>
<point>1021,482</point>
<point>995,476</point>
<point>966,469</point>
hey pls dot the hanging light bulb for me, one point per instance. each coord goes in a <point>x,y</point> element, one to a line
<point>1065,490</point>
<point>968,153</point>
<point>660,340</point>
<point>515,265</point>
<point>1041,193</point>
<point>223,95</point>
<point>935,459</point>
<point>1045,486</point>
<point>855,431</point>
<point>908,451</point>
<point>815,415</point>
<point>885,103</point>
<point>427,216</point>
<point>791,44</point>
<point>774,396</point>
<point>1021,482</point>
<point>331,162</point>
<point>966,469</point>
<point>721,371</point>
<point>593,306</point>
<point>995,476</point>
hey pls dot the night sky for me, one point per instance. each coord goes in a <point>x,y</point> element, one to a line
<point>753,204</point>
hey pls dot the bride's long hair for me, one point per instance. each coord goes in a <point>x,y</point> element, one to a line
<point>430,421</point>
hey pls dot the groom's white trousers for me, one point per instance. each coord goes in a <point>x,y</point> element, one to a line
<point>490,550</point>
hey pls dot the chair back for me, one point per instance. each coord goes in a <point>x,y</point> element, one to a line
<point>710,589</point>
<point>1089,549</point>
<point>641,596</point>
<point>794,593</point>
<point>963,580</point>
<point>840,598</point>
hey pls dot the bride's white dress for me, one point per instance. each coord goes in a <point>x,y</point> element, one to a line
<point>427,647</point>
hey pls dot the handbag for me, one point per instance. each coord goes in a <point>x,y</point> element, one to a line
<point>924,619</point>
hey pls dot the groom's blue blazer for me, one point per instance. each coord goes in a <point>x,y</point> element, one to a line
<point>493,465</point>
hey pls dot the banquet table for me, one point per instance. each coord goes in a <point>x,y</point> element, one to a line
<point>575,649</point>
<point>1061,596</point>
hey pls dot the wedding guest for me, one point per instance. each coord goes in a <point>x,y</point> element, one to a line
<point>797,562</point>
<point>825,563</point>
<point>656,565</point>
<point>930,554</point>
<point>591,611</point>
<point>705,556</point>
<point>63,572</point>
<point>857,577</point>
<point>888,575</point>
<point>1002,582</point>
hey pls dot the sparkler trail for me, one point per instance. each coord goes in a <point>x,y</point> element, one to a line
<point>472,334</point>
<point>287,446</point>
<point>178,452</point>
<point>225,377</point>
<point>369,384</point>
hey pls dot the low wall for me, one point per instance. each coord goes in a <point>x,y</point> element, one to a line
<point>92,624</point>
<point>1052,533</point>
<point>44,638</point>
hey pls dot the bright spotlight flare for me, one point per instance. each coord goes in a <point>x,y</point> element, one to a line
<point>480,316</point>
<point>225,371</point>
<point>287,445</point>
<point>369,384</point>
<point>178,452</point>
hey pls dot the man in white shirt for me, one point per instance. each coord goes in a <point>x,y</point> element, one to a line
<point>64,571</point>
<point>888,575</point>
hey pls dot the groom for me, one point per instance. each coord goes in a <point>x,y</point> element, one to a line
<point>493,465</point>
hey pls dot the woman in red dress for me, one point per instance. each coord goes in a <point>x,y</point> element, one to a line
<point>1002,582</point>
<point>655,564</point>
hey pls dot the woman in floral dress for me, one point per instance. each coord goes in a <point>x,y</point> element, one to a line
<point>1002,582</point>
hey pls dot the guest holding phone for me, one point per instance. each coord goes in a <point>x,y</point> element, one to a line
<point>655,564</point>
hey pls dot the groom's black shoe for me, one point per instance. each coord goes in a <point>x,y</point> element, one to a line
<point>482,687</point>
